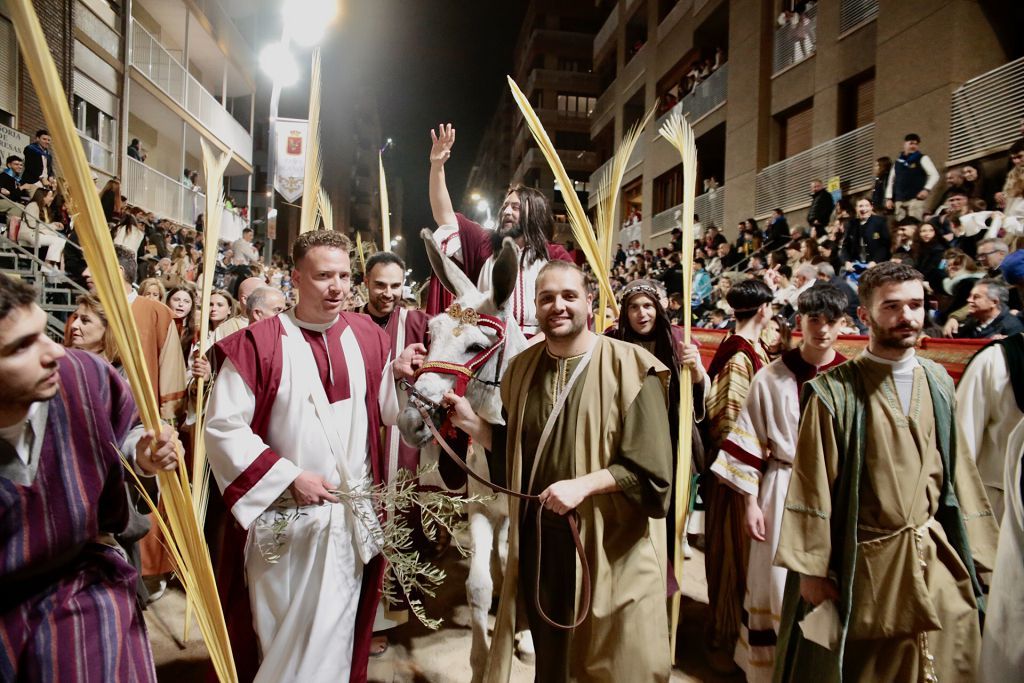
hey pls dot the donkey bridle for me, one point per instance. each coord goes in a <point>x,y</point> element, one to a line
<point>463,375</point>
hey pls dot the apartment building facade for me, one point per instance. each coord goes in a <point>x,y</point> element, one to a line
<point>777,100</point>
<point>166,72</point>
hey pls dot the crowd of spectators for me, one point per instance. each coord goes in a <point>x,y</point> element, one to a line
<point>964,241</point>
<point>705,64</point>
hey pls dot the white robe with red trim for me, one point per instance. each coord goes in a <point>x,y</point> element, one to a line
<point>756,458</point>
<point>304,566</point>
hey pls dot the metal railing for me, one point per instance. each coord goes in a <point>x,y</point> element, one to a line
<point>795,42</point>
<point>710,206</point>
<point>853,13</point>
<point>986,113</point>
<point>707,96</point>
<point>159,194</point>
<point>167,73</point>
<point>785,184</point>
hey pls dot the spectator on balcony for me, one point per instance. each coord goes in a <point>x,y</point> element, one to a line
<point>820,211</point>
<point>620,255</point>
<point>37,227</point>
<point>987,314</point>
<point>883,166</point>
<point>911,180</point>
<point>720,57</point>
<point>12,183</point>
<point>186,179</point>
<point>110,200</point>
<point>867,238</point>
<point>244,254</point>
<point>135,150</point>
<point>39,161</point>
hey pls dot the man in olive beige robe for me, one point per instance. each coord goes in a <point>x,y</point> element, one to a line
<point>586,430</point>
<point>883,526</point>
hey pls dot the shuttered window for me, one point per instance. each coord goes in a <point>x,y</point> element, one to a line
<point>865,103</point>
<point>8,68</point>
<point>795,130</point>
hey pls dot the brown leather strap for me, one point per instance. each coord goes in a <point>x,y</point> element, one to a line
<point>572,518</point>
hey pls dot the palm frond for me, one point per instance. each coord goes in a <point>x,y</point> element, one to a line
<point>313,171</point>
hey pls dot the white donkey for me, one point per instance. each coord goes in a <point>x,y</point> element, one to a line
<point>458,339</point>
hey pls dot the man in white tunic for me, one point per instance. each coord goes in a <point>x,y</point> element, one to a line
<point>756,459</point>
<point>989,405</point>
<point>292,426</point>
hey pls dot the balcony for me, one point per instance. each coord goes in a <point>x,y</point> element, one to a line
<point>633,72</point>
<point>795,42</point>
<point>710,206</point>
<point>154,62</point>
<point>855,13</point>
<point>167,198</point>
<point>161,195</point>
<point>706,97</point>
<point>607,32</point>
<point>986,112</point>
<point>573,160</point>
<point>597,179</point>
<point>681,8</point>
<point>785,184</point>
<point>578,82</point>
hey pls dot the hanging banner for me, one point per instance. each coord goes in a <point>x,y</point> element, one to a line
<point>290,140</point>
<point>12,142</point>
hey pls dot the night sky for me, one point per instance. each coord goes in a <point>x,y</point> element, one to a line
<point>429,61</point>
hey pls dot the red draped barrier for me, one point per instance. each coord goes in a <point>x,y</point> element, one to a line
<point>953,354</point>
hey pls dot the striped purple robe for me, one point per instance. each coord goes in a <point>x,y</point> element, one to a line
<point>67,607</point>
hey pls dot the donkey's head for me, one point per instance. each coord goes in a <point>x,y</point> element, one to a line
<point>460,339</point>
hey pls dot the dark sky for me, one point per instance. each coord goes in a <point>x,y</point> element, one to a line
<point>429,61</point>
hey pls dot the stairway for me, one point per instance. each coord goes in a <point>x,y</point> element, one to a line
<point>57,295</point>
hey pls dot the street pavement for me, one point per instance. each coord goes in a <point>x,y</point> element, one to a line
<point>419,655</point>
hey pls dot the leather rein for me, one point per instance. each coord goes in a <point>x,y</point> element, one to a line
<point>463,374</point>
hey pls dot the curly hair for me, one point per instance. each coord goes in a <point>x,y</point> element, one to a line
<point>308,241</point>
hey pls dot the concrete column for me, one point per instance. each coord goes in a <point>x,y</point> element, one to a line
<point>748,116</point>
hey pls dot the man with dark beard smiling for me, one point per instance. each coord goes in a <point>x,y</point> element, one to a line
<point>881,539</point>
<point>585,430</point>
<point>524,215</point>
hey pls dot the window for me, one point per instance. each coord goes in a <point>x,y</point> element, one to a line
<point>576,105</point>
<point>857,102</point>
<point>573,141</point>
<point>668,190</point>
<point>8,73</point>
<point>795,132</point>
<point>95,124</point>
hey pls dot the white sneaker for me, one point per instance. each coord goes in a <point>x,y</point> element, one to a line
<point>159,592</point>
<point>687,550</point>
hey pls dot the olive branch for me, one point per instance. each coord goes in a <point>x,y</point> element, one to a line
<point>408,575</point>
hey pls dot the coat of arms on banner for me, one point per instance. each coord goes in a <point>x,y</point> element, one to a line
<point>289,171</point>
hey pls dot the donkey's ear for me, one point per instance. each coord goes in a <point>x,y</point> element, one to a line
<point>450,275</point>
<point>504,273</point>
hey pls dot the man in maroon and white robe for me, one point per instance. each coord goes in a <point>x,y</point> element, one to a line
<point>385,282</point>
<point>524,215</point>
<point>292,432</point>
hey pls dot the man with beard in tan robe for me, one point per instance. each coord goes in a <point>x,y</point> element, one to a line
<point>883,524</point>
<point>586,430</point>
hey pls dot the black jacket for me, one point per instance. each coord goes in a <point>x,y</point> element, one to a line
<point>869,241</point>
<point>821,208</point>
<point>1004,324</point>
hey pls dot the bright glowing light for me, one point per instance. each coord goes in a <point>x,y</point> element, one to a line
<point>308,20</point>
<point>277,62</point>
<point>475,196</point>
<point>399,238</point>
<point>394,243</point>
<point>483,205</point>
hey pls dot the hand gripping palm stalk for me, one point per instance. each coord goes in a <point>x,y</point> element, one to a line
<point>177,520</point>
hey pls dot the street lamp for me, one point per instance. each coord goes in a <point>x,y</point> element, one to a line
<point>305,22</point>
